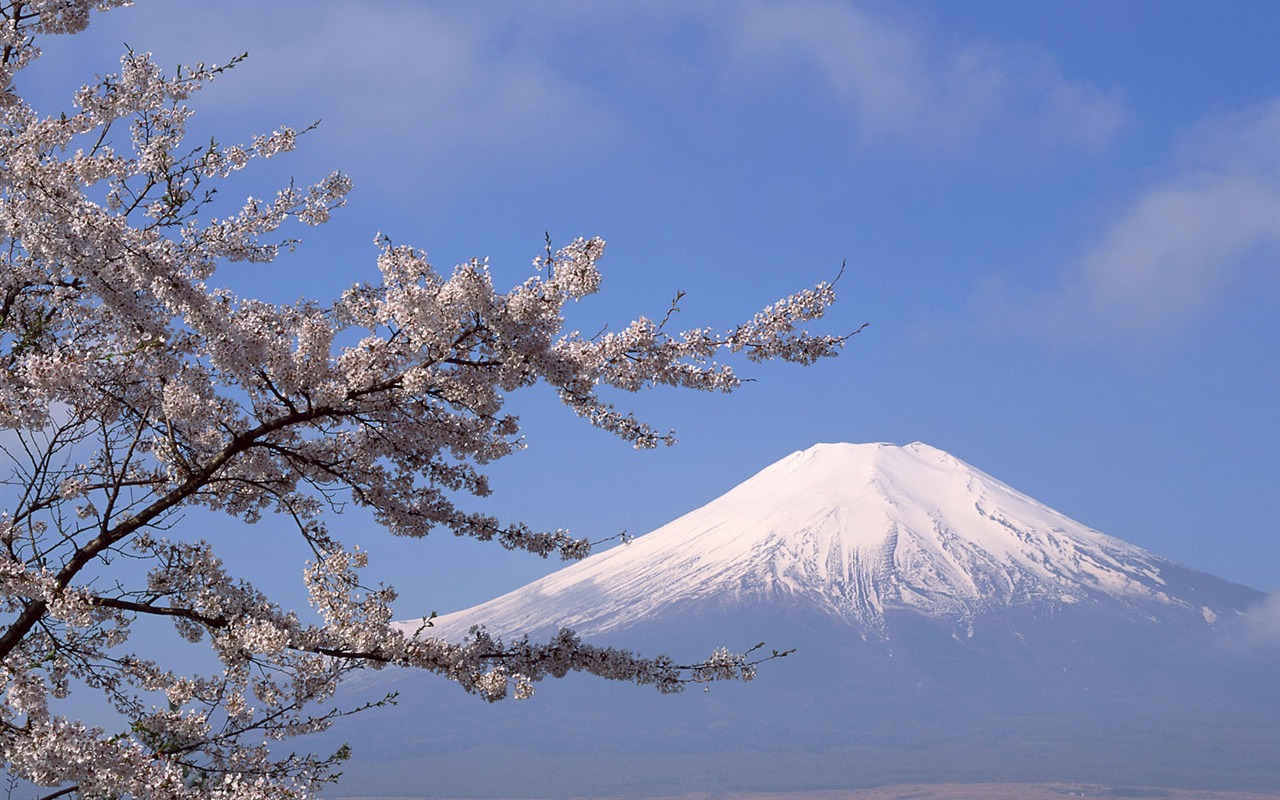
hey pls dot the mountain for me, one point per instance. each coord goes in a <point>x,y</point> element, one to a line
<point>947,628</point>
<point>855,531</point>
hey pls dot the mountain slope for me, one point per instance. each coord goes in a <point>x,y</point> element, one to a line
<point>946,629</point>
<point>856,531</point>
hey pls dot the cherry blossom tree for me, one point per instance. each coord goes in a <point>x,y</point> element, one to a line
<point>135,388</point>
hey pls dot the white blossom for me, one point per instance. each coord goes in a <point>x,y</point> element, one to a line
<point>138,390</point>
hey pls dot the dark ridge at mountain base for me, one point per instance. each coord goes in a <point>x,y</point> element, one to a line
<point>1115,703</point>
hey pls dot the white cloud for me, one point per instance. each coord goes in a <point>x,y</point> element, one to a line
<point>1244,143</point>
<point>451,80</point>
<point>1182,243</point>
<point>899,84</point>
<point>1257,626</point>
<point>436,82</point>
<point>431,83</point>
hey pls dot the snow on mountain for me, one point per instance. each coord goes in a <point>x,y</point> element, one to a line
<point>945,627</point>
<point>857,530</point>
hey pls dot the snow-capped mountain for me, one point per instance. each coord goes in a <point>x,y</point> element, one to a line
<point>858,530</point>
<point>946,629</point>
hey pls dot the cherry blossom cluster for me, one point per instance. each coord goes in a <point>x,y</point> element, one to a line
<point>134,387</point>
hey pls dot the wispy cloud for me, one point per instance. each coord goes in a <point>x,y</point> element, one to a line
<point>442,82</point>
<point>1180,244</point>
<point>430,83</point>
<point>451,80</point>
<point>1257,627</point>
<point>899,84</point>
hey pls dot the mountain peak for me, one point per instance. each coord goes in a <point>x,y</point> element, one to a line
<point>855,531</point>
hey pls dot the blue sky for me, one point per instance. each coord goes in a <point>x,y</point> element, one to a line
<point>1062,222</point>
